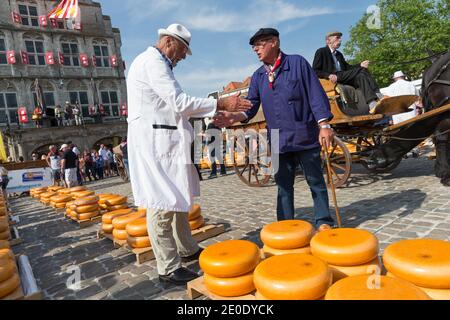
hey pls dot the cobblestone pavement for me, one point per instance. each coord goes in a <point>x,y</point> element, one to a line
<point>407,203</point>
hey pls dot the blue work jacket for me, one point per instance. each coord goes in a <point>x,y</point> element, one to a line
<point>295,104</point>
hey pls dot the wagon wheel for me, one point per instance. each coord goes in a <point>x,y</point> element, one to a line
<point>121,168</point>
<point>254,172</point>
<point>364,144</point>
<point>341,162</point>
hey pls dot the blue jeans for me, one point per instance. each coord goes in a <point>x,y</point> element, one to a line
<point>311,163</point>
<point>125,163</point>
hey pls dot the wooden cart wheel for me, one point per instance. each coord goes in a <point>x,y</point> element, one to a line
<point>341,162</point>
<point>255,172</point>
<point>364,144</point>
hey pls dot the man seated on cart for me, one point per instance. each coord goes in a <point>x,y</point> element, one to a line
<point>330,64</point>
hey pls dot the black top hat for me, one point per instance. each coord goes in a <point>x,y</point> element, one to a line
<point>264,33</point>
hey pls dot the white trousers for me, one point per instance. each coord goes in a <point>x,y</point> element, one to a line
<point>70,176</point>
<point>171,238</point>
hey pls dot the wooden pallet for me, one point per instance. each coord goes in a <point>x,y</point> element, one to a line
<point>85,223</point>
<point>15,237</point>
<point>27,289</point>
<point>116,243</point>
<point>196,288</point>
<point>200,234</point>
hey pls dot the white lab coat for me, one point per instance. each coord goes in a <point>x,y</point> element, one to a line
<point>159,135</point>
<point>401,88</point>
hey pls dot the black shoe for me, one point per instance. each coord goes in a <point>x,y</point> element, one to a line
<point>223,173</point>
<point>192,257</point>
<point>212,175</point>
<point>181,276</point>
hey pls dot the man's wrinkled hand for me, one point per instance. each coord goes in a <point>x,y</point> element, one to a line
<point>224,119</point>
<point>326,137</point>
<point>234,104</point>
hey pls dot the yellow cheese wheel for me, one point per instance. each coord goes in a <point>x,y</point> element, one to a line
<point>83,194</point>
<point>137,228</point>
<point>69,204</point>
<point>108,217</point>
<point>87,215</point>
<point>55,188</point>
<point>60,205</point>
<point>105,196</point>
<point>138,242</point>
<point>295,276</point>
<point>120,234</point>
<point>88,200</point>
<point>122,221</point>
<point>424,262</point>
<point>435,294</point>
<point>4,225</point>
<point>230,287</point>
<point>268,251</point>
<point>107,228</point>
<point>230,258</point>
<point>197,223</point>
<point>87,208</point>
<point>372,287</point>
<point>48,194</point>
<point>7,270</point>
<point>287,234</point>
<point>64,191</point>
<point>5,235</point>
<point>195,212</point>
<point>372,267</point>
<point>74,215</point>
<point>7,287</point>
<point>103,206</point>
<point>345,246</point>
<point>259,296</point>
<point>117,207</point>
<point>61,198</point>
<point>114,201</point>
<point>6,254</point>
<point>4,244</point>
<point>76,189</point>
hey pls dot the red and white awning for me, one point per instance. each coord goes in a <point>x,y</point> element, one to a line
<point>66,9</point>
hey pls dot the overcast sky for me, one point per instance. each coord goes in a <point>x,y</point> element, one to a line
<point>221,30</point>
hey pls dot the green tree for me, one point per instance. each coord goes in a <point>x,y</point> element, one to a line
<point>407,29</point>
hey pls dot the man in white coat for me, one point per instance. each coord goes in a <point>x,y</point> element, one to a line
<point>401,87</point>
<point>163,178</point>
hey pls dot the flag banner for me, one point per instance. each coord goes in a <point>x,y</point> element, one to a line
<point>66,9</point>
<point>84,60</point>
<point>124,110</point>
<point>16,17</point>
<point>11,56</point>
<point>54,23</point>
<point>61,58</point>
<point>23,115</point>
<point>25,59</point>
<point>50,58</point>
<point>113,59</point>
<point>43,21</point>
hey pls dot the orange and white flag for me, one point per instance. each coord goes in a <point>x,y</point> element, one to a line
<point>66,9</point>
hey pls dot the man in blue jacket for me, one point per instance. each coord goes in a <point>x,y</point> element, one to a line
<point>295,104</point>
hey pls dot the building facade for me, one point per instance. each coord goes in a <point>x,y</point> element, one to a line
<point>83,66</point>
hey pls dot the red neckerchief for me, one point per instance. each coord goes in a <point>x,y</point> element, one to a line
<point>272,71</point>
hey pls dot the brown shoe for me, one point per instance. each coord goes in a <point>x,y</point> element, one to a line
<point>324,227</point>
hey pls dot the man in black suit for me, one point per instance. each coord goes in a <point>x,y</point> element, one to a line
<point>330,64</point>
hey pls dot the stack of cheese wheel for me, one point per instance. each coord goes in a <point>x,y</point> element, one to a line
<point>294,276</point>
<point>5,234</point>
<point>107,219</point>
<point>348,252</point>
<point>60,201</point>
<point>9,277</point>
<point>35,192</point>
<point>45,197</point>
<point>55,188</point>
<point>64,191</point>
<point>86,208</point>
<point>138,233</point>
<point>374,287</point>
<point>70,210</point>
<point>195,217</point>
<point>102,199</point>
<point>423,262</point>
<point>288,236</point>
<point>228,267</point>
<point>120,224</point>
<point>82,194</point>
<point>116,203</point>
<point>4,244</point>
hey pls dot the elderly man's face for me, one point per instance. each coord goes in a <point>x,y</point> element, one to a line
<point>334,42</point>
<point>265,49</point>
<point>176,51</point>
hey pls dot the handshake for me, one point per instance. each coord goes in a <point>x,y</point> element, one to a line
<point>230,110</point>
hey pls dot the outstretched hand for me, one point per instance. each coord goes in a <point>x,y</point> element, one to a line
<point>225,119</point>
<point>234,104</point>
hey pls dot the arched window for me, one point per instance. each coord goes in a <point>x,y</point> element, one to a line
<point>34,44</point>
<point>3,59</point>
<point>109,98</point>
<point>69,48</point>
<point>78,94</point>
<point>101,53</point>
<point>29,13</point>
<point>8,102</point>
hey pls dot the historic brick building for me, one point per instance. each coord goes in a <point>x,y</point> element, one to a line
<point>71,65</point>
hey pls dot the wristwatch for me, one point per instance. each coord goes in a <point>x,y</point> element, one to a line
<point>325,126</point>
